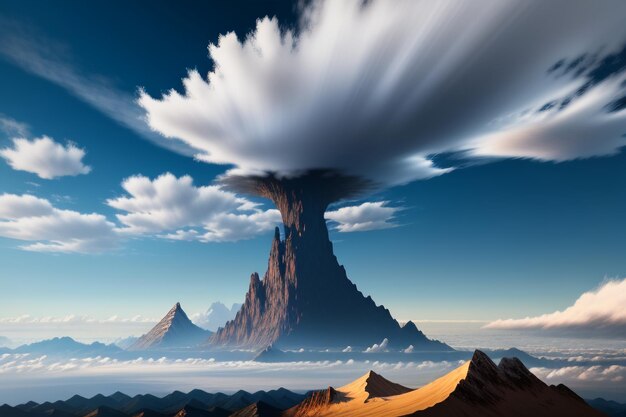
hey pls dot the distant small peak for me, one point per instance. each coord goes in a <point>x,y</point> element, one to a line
<point>511,363</point>
<point>409,325</point>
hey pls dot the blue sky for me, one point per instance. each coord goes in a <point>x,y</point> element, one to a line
<point>495,239</point>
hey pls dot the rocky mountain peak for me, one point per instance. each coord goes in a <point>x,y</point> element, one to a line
<point>174,330</point>
<point>305,298</point>
<point>378,386</point>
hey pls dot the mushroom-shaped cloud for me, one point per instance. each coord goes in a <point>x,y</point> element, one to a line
<point>375,89</point>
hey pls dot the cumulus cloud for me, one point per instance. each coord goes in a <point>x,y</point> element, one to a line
<point>204,213</point>
<point>376,88</point>
<point>599,312</point>
<point>611,373</point>
<point>167,207</point>
<point>49,229</point>
<point>364,217</point>
<point>376,348</point>
<point>45,157</point>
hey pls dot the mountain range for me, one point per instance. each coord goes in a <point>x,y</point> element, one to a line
<point>66,346</point>
<point>479,387</point>
<point>193,403</point>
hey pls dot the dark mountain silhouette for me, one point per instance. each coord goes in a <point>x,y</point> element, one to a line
<point>8,411</point>
<point>179,404</point>
<point>258,409</point>
<point>305,298</point>
<point>191,411</point>
<point>173,331</point>
<point>105,412</point>
<point>610,408</point>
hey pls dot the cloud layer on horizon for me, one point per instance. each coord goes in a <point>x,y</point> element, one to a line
<point>45,157</point>
<point>376,88</point>
<point>601,312</point>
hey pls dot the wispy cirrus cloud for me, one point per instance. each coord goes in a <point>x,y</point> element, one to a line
<point>51,60</point>
<point>601,312</point>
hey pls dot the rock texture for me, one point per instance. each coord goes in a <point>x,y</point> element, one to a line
<point>175,330</point>
<point>508,389</point>
<point>258,409</point>
<point>477,388</point>
<point>305,298</point>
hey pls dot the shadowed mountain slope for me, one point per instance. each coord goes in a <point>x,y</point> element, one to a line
<point>305,298</point>
<point>476,388</point>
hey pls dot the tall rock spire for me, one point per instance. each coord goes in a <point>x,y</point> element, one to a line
<point>305,297</point>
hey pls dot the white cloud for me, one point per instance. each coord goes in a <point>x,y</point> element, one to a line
<point>409,349</point>
<point>375,88</point>
<point>166,207</point>
<point>347,349</point>
<point>205,213</point>
<point>611,373</point>
<point>36,220</point>
<point>375,348</point>
<point>598,312</point>
<point>45,157</point>
<point>364,217</point>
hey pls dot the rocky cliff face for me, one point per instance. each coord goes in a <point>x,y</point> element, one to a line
<point>305,297</point>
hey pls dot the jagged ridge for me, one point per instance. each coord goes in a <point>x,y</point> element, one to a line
<point>319,308</point>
